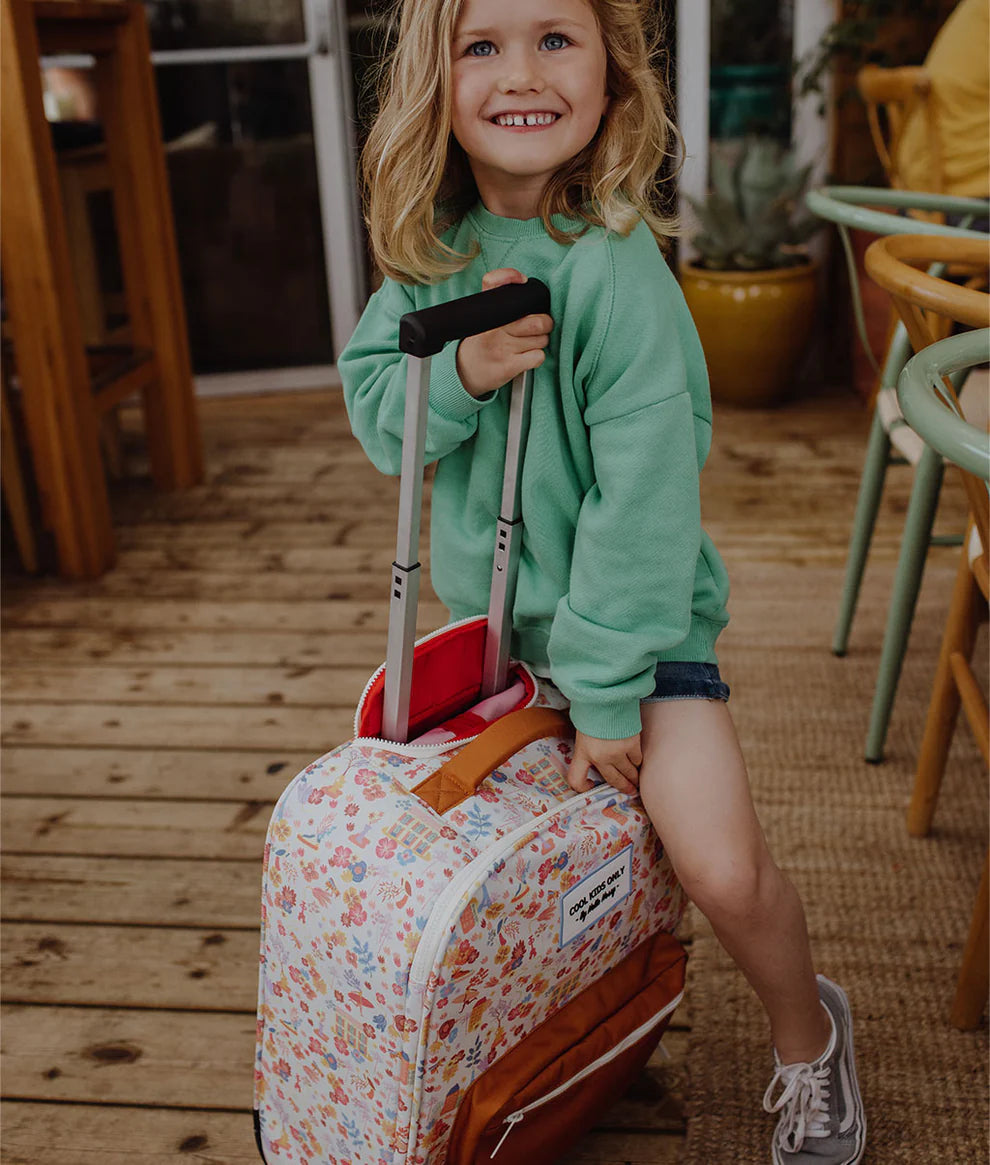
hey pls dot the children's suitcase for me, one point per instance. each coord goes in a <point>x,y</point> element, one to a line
<point>461,958</point>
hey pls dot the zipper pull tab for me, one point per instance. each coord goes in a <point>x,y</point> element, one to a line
<point>511,1121</point>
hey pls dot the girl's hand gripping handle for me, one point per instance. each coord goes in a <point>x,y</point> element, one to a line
<point>487,361</point>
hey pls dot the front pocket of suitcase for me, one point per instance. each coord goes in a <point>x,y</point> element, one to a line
<point>554,1085</point>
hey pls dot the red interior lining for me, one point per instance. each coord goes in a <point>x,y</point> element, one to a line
<point>447,673</point>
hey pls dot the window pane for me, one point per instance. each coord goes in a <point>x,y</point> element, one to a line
<point>239,145</point>
<point>197,24</point>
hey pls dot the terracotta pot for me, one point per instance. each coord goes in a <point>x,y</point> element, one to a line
<point>754,328</point>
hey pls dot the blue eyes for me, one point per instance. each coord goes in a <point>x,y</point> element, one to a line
<point>553,41</point>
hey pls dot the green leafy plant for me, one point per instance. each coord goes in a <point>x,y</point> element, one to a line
<point>857,38</point>
<point>753,218</point>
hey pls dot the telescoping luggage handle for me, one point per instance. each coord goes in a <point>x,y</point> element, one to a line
<point>421,335</point>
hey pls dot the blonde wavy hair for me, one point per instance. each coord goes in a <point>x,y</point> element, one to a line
<point>416,181</point>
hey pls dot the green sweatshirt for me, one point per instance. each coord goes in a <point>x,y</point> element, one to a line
<point>616,572</point>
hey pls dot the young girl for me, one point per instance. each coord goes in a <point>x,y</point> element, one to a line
<point>522,138</point>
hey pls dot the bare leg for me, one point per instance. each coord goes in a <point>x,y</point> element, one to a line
<point>694,787</point>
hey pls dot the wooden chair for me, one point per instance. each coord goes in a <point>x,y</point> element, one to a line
<point>891,96</point>
<point>954,680</point>
<point>63,392</point>
<point>925,389</point>
<point>13,483</point>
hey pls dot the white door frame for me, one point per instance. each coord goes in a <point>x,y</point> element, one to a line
<point>810,131</point>
<point>693,63</point>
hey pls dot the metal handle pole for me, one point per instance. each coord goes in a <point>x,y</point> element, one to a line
<point>508,542</point>
<point>406,568</point>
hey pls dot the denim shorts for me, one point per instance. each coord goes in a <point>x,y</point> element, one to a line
<point>687,681</point>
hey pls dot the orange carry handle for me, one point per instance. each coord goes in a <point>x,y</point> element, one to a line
<point>460,777</point>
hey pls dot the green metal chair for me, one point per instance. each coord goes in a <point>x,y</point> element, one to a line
<point>891,441</point>
<point>931,412</point>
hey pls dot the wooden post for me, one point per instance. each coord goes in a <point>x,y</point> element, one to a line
<point>45,323</point>
<point>143,212</point>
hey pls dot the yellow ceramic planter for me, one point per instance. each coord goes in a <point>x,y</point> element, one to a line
<point>754,328</point>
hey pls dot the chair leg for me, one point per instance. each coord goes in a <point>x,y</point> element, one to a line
<point>14,491</point>
<point>907,582</point>
<point>974,977</point>
<point>867,504</point>
<point>943,709</point>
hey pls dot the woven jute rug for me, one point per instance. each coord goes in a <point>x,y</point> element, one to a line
<point>887,913</point>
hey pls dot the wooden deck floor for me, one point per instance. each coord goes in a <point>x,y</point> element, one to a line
<point>151,719</point>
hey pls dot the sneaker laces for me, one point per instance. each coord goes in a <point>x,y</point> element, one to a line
<point>804,1101</point>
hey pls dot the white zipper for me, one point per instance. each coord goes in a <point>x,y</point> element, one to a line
<point>634,1037</point>
<point>446,906</point>
<point>420,750</point>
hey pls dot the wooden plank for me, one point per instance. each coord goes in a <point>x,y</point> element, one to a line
<point>298,518</point>
<point>177,1059</point>
<point>80,1134</point>
<point>314,618</point>
<point>273,535</point>
<point>41,1134</point>
<point>303,465</point>
<point>183,775</point>
<point>134,891</point>
<point>325,514</point>
<point>153,829</point>
<point>269,586</point>
<point>327,561</point>
<point>278,687</point>
<point>130,966</point>
<point>161,726</point>
<point>327,484</point>
<point>112,1056</point>
<point>210,648</point>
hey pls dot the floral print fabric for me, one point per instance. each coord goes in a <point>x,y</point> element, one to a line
<point>403,952</point>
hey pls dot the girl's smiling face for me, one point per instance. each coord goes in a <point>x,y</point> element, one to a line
<point>528,94</point>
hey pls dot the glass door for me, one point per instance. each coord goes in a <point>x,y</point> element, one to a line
<point>257,117</point>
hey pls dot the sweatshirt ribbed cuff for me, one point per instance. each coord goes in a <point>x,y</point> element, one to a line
<point>448,397</point>
<point>607,721</point>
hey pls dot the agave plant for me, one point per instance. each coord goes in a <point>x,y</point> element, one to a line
<point>753,218</point>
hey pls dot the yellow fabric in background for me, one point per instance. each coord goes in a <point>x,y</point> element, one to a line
<point>959,65</point>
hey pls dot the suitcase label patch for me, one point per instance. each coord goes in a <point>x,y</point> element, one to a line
<point>597,894</point>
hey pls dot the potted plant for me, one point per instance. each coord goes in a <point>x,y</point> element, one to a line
<point>752,290</point>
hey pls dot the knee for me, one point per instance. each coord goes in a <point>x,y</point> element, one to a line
<point>734,887</point>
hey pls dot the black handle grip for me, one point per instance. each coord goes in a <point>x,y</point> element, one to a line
<point>424,332</point>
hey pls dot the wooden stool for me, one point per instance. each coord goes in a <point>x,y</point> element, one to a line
<point>63,393</point>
